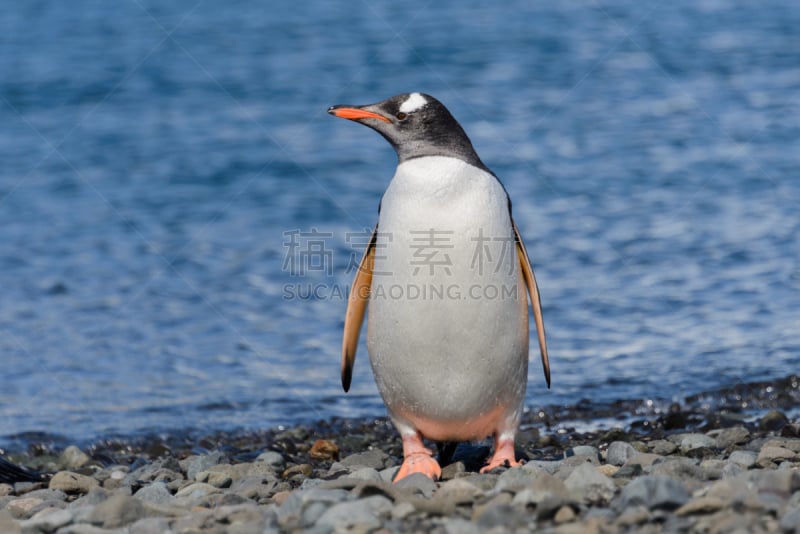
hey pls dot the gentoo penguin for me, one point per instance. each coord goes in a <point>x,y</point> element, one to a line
<point>445,276</point>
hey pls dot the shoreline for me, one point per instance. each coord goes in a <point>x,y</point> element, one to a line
<point>684,468</point>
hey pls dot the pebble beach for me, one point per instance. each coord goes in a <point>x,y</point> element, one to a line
<point>681,469</point>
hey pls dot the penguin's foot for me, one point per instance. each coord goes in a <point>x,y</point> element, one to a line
<point>417,459</point>
<point>503,455</point>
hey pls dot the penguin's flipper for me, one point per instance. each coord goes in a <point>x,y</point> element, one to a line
<point>536,304</point>
<point>356,306</point>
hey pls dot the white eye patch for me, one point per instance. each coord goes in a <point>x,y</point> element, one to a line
<point>414,102</point>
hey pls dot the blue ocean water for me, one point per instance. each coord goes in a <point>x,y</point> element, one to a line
<point>160,162</point>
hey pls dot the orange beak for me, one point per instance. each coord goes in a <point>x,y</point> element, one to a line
<point>355,114</point>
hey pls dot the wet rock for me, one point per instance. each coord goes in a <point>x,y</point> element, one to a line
<point>619,452</point>
<point>653,492</point>
<point>374,458</point>
<point>70,482</point>
<point>587,485</point>
<point>72,458</point>
<point>773,420</point>
<point>324,449</point>
<point>117,511</point>
<point>364,513</point>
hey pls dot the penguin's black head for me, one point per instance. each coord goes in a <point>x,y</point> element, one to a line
<point>416,125</point>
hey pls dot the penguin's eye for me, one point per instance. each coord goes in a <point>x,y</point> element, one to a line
<point>401,116</point>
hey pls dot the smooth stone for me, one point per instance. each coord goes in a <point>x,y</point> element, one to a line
<point>402,510</point>
<point>202,463</point>
<point>619,452</point>
<point>198,490</point>
<point>790,522</point>
<point>255,488</point>
<point>374,458</point>
<point>632,516</point>
<point>294,507</point>
<point>770,454</point>
<point>781,480</point>
<point>453,470</point>
<point>773,420</point>
<point>214,478</point>
<point>514,479</point>
<point>72,458</point>
<point>732,470</point>
<point>458,525</point>
<point>713,468</point>
<point>588,485</point>
<point>47,521</point>
<point>582,450</point>
<point>746,459</point>
<point>458,491</point>
<point>155,493</point>
<point>150,525</point>
<point>22,508</point>
<point>304,470</point>
<point>7,523</point>
<point>365,513</point>
<point>550,467</point>
<point>608,469</point>
<point>728,437</point>
<point>701,505</point>
<point>678,467</point>
<point>365,473</point>
<point>565,514</point>
<point>653,492</point>
<point>272,458</point>
<point>70,482</point>
<point>117,511</point>
<point>793,444</point>
<point>690,442</point>
<point>388,474</point>
<point>417,483</point>
<point>6,489</point>
<point>662,447</point>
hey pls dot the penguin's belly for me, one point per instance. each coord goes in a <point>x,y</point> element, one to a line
<point>448,321</point>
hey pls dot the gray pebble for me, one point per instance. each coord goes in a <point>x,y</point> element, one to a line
<point>416,484</point>
<point>365,473</point>
<point>272,458</point>
<point>728,437</point>
<point>588,485</point>
<point>47,522</point>
<point>745,459</point>
<point>197,464</point>
<point>582,450</point>
<point>197,490</point>
<point>70,482</point>
<point>653,492</point>
<point>374,458</point>
<point>150,525</point>
<point>72,458</point>
<point>691,442</point>
<point>619,452</point>
<point>155,493</point>
<point>662,447</point>
<point>365,513</point>
<point>790,522</point>
<point>117,511</point>
<point>514,479</point>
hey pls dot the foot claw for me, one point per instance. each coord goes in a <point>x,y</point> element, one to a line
<point>419,463</point>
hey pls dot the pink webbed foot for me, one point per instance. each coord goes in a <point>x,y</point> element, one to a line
<point>417,459</point>
<point>503,455</point>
